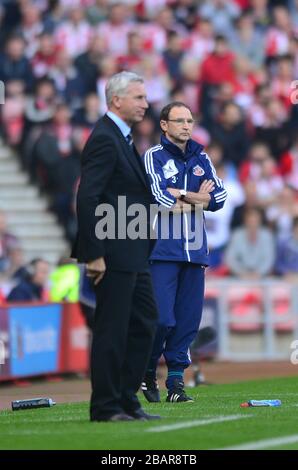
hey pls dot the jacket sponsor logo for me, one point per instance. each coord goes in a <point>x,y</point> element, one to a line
<point>170,169</point>
<point>198,171</point>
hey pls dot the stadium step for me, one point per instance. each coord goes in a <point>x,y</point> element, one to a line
<point>52,256</point>
<point>36,218</point>
<point>27,212</point>
<point>13,178</point>
<point>17,192</point>
<point>25,205</point>
<point>6,153</point>
<point>43,245</point>
<point>9,166</point>
<point>38,231</point>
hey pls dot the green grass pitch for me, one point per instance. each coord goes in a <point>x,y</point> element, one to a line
<point>215,420</point>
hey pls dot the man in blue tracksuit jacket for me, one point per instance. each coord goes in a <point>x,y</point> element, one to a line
<point>183,183</point>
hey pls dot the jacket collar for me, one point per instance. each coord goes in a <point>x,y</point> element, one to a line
<point>124,128</point>
<point>132,155</point>
<point>192,148</point>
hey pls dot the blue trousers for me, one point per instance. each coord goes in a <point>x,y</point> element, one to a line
<point>179,294</point>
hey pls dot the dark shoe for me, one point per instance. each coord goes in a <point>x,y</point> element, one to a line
<point>150,389</point>
<point>177,394</point>
<point>116,417</point>
<point>141,415</point>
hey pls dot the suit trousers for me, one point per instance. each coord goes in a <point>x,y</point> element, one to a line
<point>123,333</point>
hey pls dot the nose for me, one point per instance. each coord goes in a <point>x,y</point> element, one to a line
<point>145,104</point>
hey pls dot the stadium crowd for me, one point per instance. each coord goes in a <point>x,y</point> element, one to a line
<point>234,63</point>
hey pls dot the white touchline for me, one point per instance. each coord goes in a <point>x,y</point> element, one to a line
<point>198,422</point>
<point>265,443</point>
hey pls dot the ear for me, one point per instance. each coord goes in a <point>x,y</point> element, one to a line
<point>116,100</point>
<point>163,125</point>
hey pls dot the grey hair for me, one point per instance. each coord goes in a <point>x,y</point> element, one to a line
<point>118,83</point>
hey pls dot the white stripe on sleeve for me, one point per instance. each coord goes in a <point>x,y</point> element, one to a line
<point>157,192</point>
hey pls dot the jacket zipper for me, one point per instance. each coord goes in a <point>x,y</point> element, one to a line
<point>185,216</point>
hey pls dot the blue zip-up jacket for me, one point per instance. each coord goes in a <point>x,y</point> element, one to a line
<point>167,166</point>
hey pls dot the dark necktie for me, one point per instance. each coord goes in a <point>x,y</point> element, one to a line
<point>129,139</point>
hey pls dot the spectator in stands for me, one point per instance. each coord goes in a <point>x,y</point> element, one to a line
<point>17,270</point>
<point>287,255</point>
<point>173,56</point>
<point>189,86</point>
<point>74,33</point>
<point>13,111</point>
<point>115,29</point>
<point>221,13</point>
<point>278,35</point>
<point>201,39</point>
<point>32,287</point>
<point>269,185</point>
<point>157,81</point>
<point>135,52</point>
<point>221,58</point>
<point>14,64</point>
<point>186,13</point>
<point>108,67</point>
<point>289,164</point>
<point>218,224</point>
<point>148,8</point>
<point>260,13</point>
<point>244,83</point>
<point>246,41</point>
<point>146,131</point>
<point>54,155</point>
<point>8,242</point>
<point>88,63</point>
<point>68,83</point>
<point>46,55</point>
<point>275,131</point>
<point>250,169</point>
<point>39,110</point>
<point>294,11</point>
<point>165,19</point>
<point>251,251</point>
<point>53,16</point>
<point>31,27</point>
<point>256,114</point>
<point>154,32</point>
<point>97,12</point>
<point>282,80</point>
<point>231,133</point>
<point>88,115</point>
<point>2,31</point>
<point>283,212</point>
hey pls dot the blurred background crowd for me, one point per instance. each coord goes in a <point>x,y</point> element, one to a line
<point>234,63</point>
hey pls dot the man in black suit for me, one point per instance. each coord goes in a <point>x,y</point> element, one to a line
<point>125,317</point>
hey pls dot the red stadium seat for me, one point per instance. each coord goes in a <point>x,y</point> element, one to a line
<point>245,307</point>
<point>283,318</point>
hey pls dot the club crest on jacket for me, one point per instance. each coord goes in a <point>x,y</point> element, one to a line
<point>198,171</point>
<point>170,169</point>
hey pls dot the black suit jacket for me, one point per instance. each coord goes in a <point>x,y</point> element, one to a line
<point>111,168</point>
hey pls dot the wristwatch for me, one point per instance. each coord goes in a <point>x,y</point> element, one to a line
<point>183,193</point>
